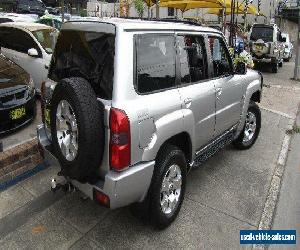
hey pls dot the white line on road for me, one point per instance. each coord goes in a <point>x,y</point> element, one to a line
<point>278,112</point>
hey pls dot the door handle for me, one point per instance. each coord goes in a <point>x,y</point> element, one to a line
<point>188,102</point>
<point>218,93</point>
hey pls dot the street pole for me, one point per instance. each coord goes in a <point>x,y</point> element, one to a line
<point>157,9</point>
<point>63,10</point>
<point>297,60</point>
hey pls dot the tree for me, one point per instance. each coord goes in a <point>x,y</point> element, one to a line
<point>139,7</point>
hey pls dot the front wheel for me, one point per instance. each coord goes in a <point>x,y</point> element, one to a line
<point>251,129</point>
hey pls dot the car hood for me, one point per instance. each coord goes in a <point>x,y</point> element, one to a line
<point>11,75</point>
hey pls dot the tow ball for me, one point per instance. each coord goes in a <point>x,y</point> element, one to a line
<point>64,185</point>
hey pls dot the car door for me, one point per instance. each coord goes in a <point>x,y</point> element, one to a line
<point>197,92</point>
<point>15,45</point>
<point>229,87</point>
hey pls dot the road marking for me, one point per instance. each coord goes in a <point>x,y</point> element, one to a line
<point>277,112</point>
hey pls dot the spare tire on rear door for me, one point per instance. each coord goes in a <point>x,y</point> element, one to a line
<point>77,129</point>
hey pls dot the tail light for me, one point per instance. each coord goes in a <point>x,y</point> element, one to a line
<point>119,140</point>
<point>102,198</point>
<point>43,89</point>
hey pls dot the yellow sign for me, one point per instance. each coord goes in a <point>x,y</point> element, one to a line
<point>17,113</point>
<point>47,116</point>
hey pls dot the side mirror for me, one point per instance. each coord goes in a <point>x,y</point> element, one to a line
<point>241,68</point>
<point>33,53</point>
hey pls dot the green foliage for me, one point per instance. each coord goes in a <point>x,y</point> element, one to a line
<point>139,7</point>
<point>83,12</point>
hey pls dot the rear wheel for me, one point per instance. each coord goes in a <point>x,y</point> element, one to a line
<point>275,67</point>
<point>167,189</point>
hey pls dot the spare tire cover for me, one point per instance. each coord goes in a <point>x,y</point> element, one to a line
<point>77,129</point>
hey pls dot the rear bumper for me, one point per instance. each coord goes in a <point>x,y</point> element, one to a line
<point>122,188</point>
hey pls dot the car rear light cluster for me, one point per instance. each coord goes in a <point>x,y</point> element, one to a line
<point>101,198</point>
<point>119,140</point>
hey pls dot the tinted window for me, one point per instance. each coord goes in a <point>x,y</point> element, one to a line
<point>16,39</point>
<point>222,64</point>
<point>155,62</point>
<point>5,20</point>
<point>262,32</point>
<point>89,55</point>
<point>193,64</point>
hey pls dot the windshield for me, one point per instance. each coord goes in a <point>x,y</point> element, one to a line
<point>45,39</point>
<point>262,32</point>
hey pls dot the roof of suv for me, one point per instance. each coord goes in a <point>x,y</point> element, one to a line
<point>139,24</point>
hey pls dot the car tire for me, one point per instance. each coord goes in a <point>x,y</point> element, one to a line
<point>274,67</point>
<point>169,173</point>
<point>248,137</point>
<point>77,129</point>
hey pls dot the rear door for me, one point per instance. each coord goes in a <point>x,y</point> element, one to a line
<point>196,90</point>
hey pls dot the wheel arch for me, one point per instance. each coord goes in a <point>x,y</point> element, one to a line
<point>182,141</point>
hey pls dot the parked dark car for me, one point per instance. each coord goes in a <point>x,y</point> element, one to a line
<point>24,6</point>
<point>17,96</point>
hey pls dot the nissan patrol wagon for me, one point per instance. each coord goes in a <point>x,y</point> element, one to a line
<point>131,106</point>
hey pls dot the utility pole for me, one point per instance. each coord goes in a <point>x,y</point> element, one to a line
<point>297,60</point>
<point>63,10</point>
<point>157,9</point>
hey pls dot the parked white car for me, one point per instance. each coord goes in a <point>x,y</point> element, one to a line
<point>13,17</point>
<point>288,47</point>
<point>30,46</point>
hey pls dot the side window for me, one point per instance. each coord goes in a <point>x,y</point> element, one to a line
<point>18,40</point>
<point>155,65</point>
<point>222,64</point>
<point>192,55</point>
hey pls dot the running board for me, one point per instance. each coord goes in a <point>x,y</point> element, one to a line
<point>204,154</point>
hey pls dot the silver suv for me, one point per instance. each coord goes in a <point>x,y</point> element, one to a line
<point>266,45</point>
<point>131,106</point>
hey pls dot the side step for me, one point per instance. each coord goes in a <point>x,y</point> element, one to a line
<point>204,154</point>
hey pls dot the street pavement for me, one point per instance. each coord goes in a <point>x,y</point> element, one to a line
<point>224,195</point>
<point>287,215</point>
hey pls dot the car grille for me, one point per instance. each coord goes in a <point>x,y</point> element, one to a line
<point>13,97</point>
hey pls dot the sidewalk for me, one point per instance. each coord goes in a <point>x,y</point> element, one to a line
<point>288,209</point>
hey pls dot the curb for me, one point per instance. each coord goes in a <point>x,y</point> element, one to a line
<point>18,160</point>
<point>267,216</point>
<point>23,176</point>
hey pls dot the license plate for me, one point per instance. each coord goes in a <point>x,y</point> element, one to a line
<point>259,47</point>
<point>17,113</point>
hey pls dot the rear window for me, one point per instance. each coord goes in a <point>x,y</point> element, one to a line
<point>262,32</point>
<point>89,55</point>
<point>155,62</point>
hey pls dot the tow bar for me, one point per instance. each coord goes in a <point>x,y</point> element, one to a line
<point>62,184</point>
